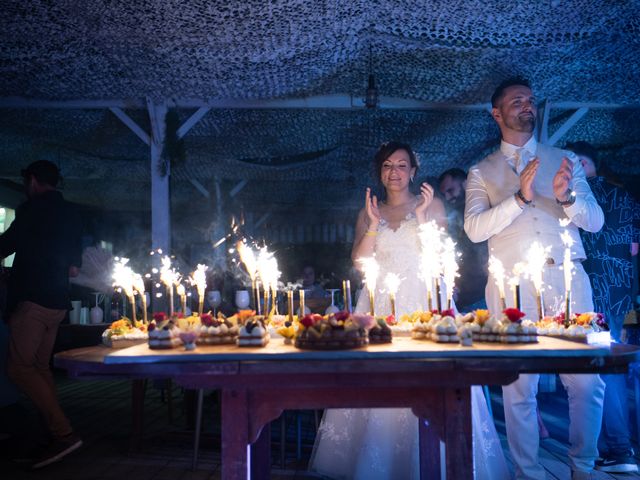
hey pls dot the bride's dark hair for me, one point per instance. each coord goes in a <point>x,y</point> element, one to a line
<point>386,150</point>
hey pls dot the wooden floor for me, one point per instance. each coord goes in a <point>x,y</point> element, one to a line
<point>100,412</point>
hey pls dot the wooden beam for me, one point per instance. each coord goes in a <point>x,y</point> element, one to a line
<point>75,104</point>
<point>192,120</point>
<point>566,126</point>
<point>261,220</point>
<point>200,187</point>
<point>329,102</point>
<point>133,126</point>
<point>239,186</point>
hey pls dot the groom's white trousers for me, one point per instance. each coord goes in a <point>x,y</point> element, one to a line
<point>585,392</point>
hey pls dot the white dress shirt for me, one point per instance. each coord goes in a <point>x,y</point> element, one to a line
<point>493,213</point>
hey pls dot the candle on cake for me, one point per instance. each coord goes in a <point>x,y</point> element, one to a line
<point>370,268</point>
<point>567,266</point>
<point>248,258</point>
<point>168,276</point>
<point>123,277</point>
<point>449,268</point>
<point>514,282</point>
<point>182,293</point>
<point>301,306</point>
<point>290,305</point>
<point>274,276</point>
<point>346,294</point>
<point>199,279</point>
<point>392,282</point>
<point>497,272</point>
<point>536,260</point>
<point>138,285</point>
<point>267,268</point>
<point>430,236</point>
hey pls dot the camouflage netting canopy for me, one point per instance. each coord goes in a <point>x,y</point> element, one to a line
<point>435,63</point>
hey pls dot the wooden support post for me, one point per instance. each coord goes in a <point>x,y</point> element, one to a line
<point>542,127</point>
<point>160,174</point>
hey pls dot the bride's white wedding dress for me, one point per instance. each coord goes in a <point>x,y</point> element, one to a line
<point>383,443</point>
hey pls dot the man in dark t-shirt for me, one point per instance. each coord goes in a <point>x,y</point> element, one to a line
<point>474,257</point>
<point>45,236</point>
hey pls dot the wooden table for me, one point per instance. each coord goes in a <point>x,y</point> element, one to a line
<point>434,380</point>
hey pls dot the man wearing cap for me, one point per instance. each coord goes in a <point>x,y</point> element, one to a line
<point>515,197</point>
<point>46,238</point>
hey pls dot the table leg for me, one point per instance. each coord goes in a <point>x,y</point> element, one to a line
<point>457,433</point>
<point>261,455</point>
<point>429,437</point>
<point>235,434</point>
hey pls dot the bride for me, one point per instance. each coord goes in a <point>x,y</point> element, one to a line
<point>383,443</point>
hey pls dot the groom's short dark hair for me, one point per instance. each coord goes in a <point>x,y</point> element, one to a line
<point>509,82</point>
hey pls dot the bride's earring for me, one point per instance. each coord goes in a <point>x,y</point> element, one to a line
<point>411,178</point>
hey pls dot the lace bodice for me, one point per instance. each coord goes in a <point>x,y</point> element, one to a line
<point>397,251</point>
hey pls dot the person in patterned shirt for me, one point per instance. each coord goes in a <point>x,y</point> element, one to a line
<point>610,269</point>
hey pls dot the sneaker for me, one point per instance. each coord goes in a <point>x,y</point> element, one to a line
<point>623,464</point>
<point>59,449</point>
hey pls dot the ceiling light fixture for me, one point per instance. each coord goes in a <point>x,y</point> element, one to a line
<point>371,99</point>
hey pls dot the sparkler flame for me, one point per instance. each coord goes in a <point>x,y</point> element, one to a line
<point>567,264</point>
<point>248,257</point>
<point>518,270</point>
<point>450,266</point>
<point>168,275</point>
<point>430,236</point>
<point>199,279</point>
<point>370,268</point>
<point>536,260</point>
<point>497,272</point>
<point>123,276</point>
<point>392,283</point>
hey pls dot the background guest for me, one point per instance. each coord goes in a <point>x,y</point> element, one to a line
<point>609,266</point>
<point>46,238</point>
<point>474,257</point>
<point>312,288</point>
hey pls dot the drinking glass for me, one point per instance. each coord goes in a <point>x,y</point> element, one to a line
<point>214,299</point>
<point>97,314</point>
<point>243,300</point>
<point>332,308</point>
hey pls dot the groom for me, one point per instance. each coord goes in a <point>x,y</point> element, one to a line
<point>516,196</point>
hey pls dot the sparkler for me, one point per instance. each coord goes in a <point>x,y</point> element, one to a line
<point>567,266</point>
<point>199,279</point>
<point>123,277</point>
<point>169,277</point>
<point>450,268</point>
<point>536,260</point>
<point>497,272</point>
<point>392,282</point>
<point>370,268</point>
